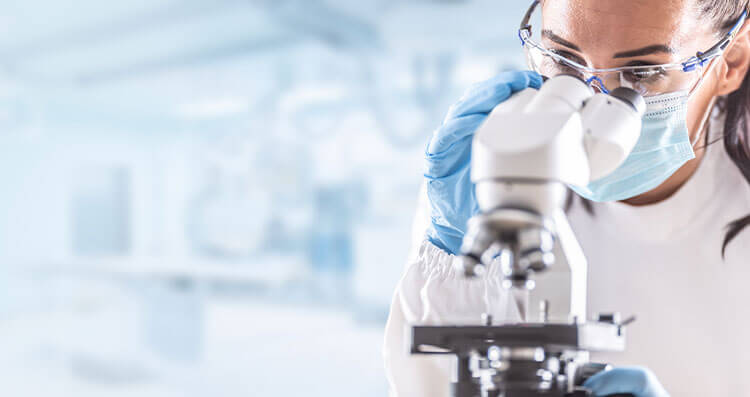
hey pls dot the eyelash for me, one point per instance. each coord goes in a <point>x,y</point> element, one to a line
<point>568,55</point>
<point>651,74</point>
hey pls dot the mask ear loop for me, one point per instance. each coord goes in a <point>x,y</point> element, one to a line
<point>702,128</point>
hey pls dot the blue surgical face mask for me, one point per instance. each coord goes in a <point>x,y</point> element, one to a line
<point>663,147</point>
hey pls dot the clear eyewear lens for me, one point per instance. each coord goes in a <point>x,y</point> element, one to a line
<point>647,81</point>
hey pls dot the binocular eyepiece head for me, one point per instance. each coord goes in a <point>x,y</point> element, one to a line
<point>627,95</point>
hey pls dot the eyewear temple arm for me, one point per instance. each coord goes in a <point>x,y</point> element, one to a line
<point>702,57</point>
<point>527,17</point>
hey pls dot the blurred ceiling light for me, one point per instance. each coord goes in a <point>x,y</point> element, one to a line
<point>214,108</point>
<point>312,94</point>
<point>316,109</point>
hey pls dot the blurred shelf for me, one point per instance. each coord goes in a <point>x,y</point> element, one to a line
<point>268,270</point>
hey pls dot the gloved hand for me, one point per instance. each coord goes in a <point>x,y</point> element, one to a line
<point>448,156</point>
<point>636,381</point>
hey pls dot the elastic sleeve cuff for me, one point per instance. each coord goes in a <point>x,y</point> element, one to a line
<point>433,261</point>
<point>434,291</point>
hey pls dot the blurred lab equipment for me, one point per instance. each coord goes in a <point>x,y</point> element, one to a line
<point>404,118</point>
<point>101,211</point>
<point>173,317</point>
<point>331,245</point>
<point>230,209</point>
<point>523,156</point>
<point>229,218</point>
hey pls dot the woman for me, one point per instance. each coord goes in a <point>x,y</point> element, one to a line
<point>667,237</point>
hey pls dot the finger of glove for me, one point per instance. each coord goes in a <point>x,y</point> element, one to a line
<point>445,162</point>
<point>447,239</point>
<point>451,200</point>
<point>483,97</point>
<point>452,203</point>
<point>640,382</point>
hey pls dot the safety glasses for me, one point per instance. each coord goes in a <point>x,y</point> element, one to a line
<point>648,80</point>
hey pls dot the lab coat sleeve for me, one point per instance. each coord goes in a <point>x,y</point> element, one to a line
<point>431,292</point>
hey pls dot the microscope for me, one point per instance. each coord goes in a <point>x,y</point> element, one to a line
<point>524,155</point>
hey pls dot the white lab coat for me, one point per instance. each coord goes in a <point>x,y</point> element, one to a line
<point>660,262</point>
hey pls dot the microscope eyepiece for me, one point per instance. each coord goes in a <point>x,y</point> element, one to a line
<point>631,97</point>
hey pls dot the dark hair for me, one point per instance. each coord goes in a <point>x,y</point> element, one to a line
<point>736,105</point>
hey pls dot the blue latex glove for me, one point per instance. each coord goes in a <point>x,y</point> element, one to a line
<point>638,381</point>
<point>448,156</point>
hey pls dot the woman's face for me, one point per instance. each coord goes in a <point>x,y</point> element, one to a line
<point>613,33</point>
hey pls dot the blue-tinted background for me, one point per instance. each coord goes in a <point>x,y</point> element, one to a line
<point>214,197</point>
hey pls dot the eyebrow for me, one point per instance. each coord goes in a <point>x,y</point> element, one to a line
<point>559,40</point>
<point>652,49</point>
<point>648,50</point>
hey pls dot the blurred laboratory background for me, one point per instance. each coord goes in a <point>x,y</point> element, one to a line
<point>214,198</point>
